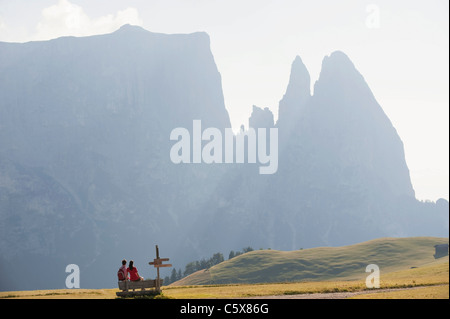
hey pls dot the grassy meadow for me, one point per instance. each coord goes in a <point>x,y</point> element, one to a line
<point>319,264</point>
<point>404,264</point>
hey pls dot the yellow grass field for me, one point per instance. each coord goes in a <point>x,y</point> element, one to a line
<point>433,292</point>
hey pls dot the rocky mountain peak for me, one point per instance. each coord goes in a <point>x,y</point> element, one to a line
<point>261,118</point>
<point>298,91</point>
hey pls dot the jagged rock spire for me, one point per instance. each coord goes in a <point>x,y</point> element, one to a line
<point>298,91</point>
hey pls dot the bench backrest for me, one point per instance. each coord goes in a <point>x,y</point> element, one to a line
<point>125,285</point>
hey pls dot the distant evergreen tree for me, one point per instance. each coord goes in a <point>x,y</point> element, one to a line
<point>217,258</point>
<point>173,276</point>
<point>203,264</point>
<point>248,249</point>
<point>190,268</point>
<point>166,281</point>
<point>231,255</point>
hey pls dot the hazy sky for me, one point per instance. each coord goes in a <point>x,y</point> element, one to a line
<point>400,47</point>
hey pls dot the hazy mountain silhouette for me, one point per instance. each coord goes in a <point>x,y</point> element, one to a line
<point>86,177</point>
<point>90,119</point>
<point>342,174</point>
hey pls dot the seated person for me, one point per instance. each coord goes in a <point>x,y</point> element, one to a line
<point>122,273</point>
<point>134,275</point>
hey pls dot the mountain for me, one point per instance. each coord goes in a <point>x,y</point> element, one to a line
<point>342,176</point>
<point>86,176</point>
<point>84,158</point>
<point>297,95</point>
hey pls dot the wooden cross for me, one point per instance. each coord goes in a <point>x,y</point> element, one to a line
<point>157,263</point>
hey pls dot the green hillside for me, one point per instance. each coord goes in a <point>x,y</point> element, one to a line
<point>319,264</point>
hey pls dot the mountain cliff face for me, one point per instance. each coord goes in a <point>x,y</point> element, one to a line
<point>84,135</point>
<point>86,176</point>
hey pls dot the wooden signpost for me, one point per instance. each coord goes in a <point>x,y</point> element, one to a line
<point>157,263</point>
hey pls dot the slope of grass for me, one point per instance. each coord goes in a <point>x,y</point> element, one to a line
<point>320,264</point>
<point>433,273</point>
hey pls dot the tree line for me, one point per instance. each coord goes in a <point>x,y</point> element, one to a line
<point>197,265</point>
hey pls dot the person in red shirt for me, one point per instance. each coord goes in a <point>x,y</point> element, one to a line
<point>134,275</point>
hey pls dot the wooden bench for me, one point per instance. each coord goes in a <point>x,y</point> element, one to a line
<point>147,287</point>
